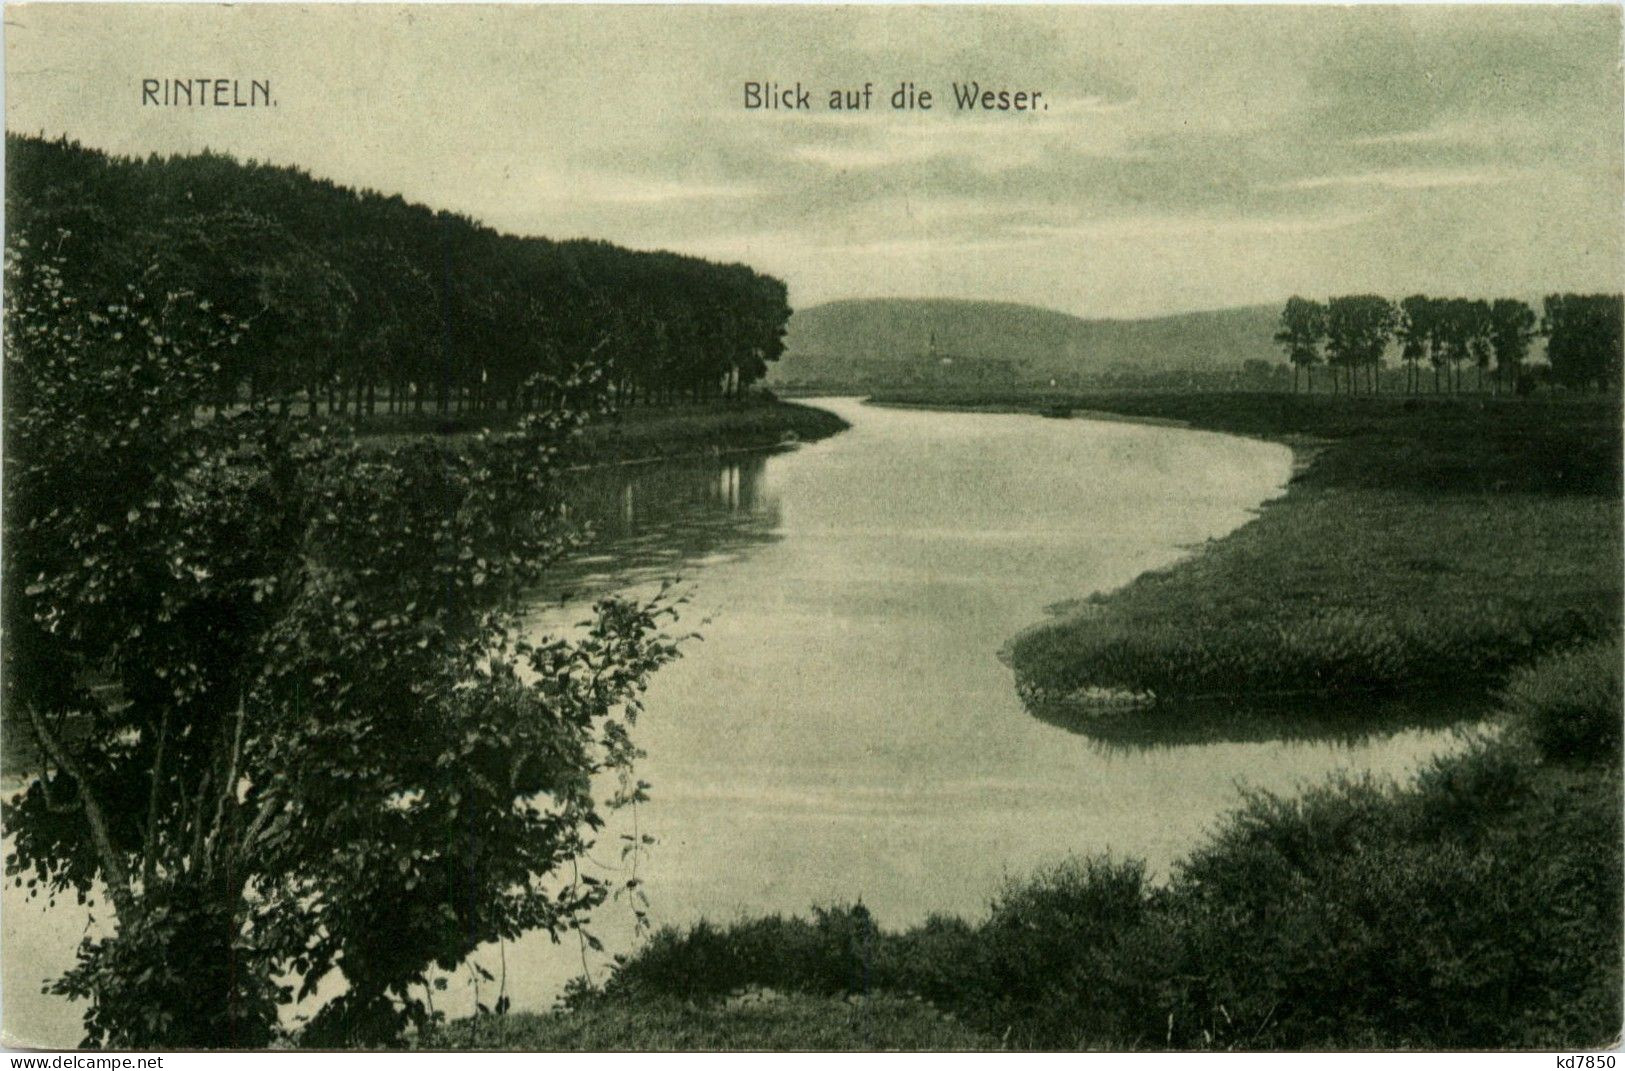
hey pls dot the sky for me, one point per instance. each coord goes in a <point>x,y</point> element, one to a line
<point>1189,158</point>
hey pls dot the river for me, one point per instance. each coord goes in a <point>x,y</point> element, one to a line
<point>844,730</point>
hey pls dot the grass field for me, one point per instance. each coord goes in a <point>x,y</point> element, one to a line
<point>1466,546</point>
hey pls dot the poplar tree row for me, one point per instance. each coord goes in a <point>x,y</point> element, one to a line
<point>354,300</point>
<point>1351,335</point>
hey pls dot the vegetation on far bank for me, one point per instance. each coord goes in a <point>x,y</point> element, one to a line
<point>1352,333</point>
<point>1476,906</point>
<point>642,433</point>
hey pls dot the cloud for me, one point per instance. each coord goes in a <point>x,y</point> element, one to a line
<point>1191,155</point>
<point>1471,132</point>
<point>613,190</point>
<point>1206,227</point>
<point>1439,179</point>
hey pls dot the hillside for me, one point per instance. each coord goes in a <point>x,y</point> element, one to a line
<point>888,339</point>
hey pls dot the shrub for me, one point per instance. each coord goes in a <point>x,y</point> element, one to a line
<point>834,952</point>
<point>1569,704</point>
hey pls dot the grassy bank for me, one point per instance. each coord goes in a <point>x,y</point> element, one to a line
<point>639,434</point>
<point>1428,546</point>
<point>1548,444</point>
<point>1463,546</point>
<point>642,433</point>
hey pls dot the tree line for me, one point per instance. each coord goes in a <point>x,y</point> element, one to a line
<point>360,301</point>
<point>1352,335</point>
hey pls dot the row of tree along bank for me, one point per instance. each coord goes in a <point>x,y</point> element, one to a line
<point>358,301</point>
<point>1352,336</point>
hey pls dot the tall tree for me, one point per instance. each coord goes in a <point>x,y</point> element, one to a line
<point>1303,328</point>
<point>1415,330</point>
<point>1583,339</point>
<point>1480,343</point>
<point>1463,326</point>
<point>280,714</point>
<point>1358,330</point>
<point>1512,328</point>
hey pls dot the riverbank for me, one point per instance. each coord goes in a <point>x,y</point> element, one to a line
<point>642,433</point>
<point>1424,547</point>
<point>648,434</point>
<point>1458,546</point>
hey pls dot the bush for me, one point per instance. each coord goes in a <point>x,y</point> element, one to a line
<point>664,1024</point>
<point>1359,915</point>
<point>834,952</point>
<point>1569,705</point>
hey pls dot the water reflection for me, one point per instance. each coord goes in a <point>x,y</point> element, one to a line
<point>646,522</point>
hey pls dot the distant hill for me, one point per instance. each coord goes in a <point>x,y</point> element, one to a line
<point>862,340</point>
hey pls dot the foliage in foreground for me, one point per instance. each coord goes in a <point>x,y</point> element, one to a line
<point>1477,908</point>
<point>274,680</point>
<point>794,1022</point>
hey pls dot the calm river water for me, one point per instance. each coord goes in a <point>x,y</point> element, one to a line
<point>845,730</point>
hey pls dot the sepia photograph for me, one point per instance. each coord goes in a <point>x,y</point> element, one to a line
<point>804,528</point>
